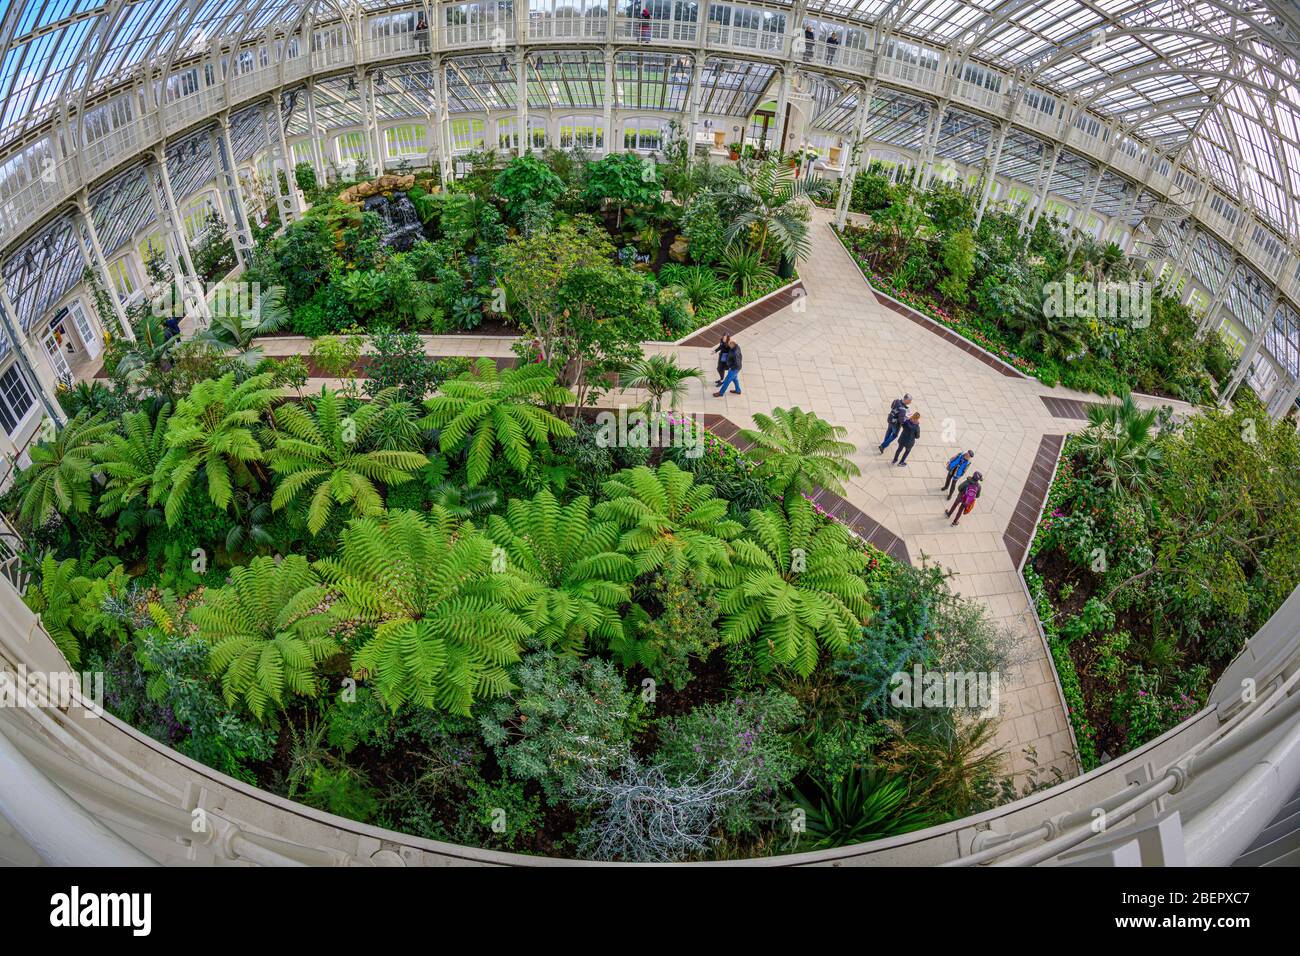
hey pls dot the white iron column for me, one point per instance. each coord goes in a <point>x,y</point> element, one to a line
<point>854,161</point>
<point>286,157</point>
<point>237,226</point>
<point>444,124</point>
<point>1046,190</point>
<point>931,146</point>
<point>1082,222</point>
<point>524,141</point>
<point>1283,398</point>
<point>317,135</point>
<point>991,174</point>
<point>1256,342</point>
<point>174,242</point>
<point>695,95</point>
<point>86,219</point>
<point>1210,322</point>
<point>278,164</point>
<point>611,140</point>
<point>1131,237</point>
<point>39,375</point>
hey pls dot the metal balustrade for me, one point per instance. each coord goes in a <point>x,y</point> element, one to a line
<point>655,31</point>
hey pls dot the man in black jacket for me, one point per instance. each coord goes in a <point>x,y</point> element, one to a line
<point>733,370</point>
<point>897,415</point>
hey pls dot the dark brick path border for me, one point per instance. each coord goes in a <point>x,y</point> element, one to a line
<point>1020,530</point>
<point>1067,407</point>
<point>748,316</point>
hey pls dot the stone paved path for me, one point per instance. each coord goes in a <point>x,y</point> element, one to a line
<point>844,356</point>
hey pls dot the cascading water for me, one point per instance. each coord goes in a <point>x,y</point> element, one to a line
<point>401,222</point>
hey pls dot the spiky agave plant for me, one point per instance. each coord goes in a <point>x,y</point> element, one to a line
<point>584,580</point>
<point>794,587</point>
<point>798,452</point>
<point>863,805</point>
<point>442,603</point>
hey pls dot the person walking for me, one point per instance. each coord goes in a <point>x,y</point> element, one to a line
<point>733,368</point>
<point>723,348</point>
<point>897,415</point>
<point>967,492</point>
<point>956,468</point>
<point>907,436</point>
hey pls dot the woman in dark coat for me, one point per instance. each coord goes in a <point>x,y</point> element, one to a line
<point>723,348</point>
<point>907,437</point>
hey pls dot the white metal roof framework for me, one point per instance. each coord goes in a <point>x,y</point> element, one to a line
<point>1213,83</point>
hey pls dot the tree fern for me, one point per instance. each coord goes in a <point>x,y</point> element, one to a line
<point>56,599</point>
<point>211,433</point>
<point>442,604</point>
<point>799,452</point>
<point>485,410</point>
<point>583,579</point>
<point>795,587</point>
<point>129,460</point>
<point>58,479</point>
<point>330,456</point>
<point>265,633</point>
<point>667,521</point>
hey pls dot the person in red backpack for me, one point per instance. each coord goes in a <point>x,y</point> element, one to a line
<point>967,492</point>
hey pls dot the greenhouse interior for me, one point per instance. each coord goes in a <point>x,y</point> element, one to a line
<point>439,433</point>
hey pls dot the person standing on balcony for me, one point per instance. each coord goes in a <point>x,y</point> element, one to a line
<point>645,24</point>
<point>908,433</point>
<point>832,42</point>
<point>422,32</point>
<point>809,38</point>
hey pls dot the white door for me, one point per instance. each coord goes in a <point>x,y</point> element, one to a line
<point>89,339</point>
<point>54,352</point>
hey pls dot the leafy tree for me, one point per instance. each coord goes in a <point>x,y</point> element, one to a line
<point>668,521</point>
<point>265,634</point>
<point>526,179</point>
<point>486,409</point>
<point>583,579</point>
<point>958,258</point>
<point>623,179</point>
<point>444,618</point>
<point>1119,441</point>
<point>534,269</point>
<point>58,479</point>
<point>796,586</point>
<point>332,455</point>
<point>798,452</point>
<point>211,433</point>
<point>660,376</point>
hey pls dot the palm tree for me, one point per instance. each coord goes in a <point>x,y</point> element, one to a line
<point>486,409</point>
<point>442,608</point>
<point>768,204</point>
<point>798,452</point>
<point>58,479</point>
<point>331,455</point>
<point>264,631</point>
<point>668,521</point>
<point>1119,442</point>
<point>795,586</point>
<point>583,579</point>
<point>211,432</point>
<point>233,330</point>
<point>659,375</point>
<point>151,349</point>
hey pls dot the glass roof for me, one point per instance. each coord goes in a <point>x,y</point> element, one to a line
<point>1217,81</point>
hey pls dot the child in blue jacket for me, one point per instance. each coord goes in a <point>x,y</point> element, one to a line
<point>956,468</point>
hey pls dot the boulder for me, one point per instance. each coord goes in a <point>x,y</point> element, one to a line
<point>384,185</point>
<point>677,251</point>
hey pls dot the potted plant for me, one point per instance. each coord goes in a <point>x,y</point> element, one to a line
<point>733,151</point>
